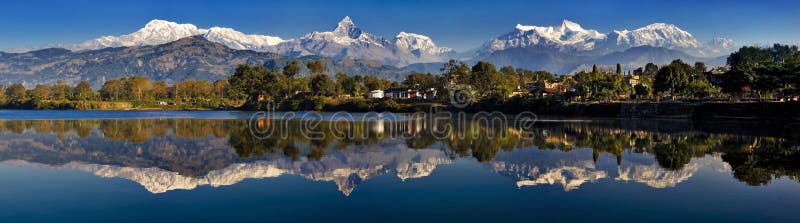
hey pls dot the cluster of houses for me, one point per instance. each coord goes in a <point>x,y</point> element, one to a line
<point>404,93</point>
<point>549,89</point>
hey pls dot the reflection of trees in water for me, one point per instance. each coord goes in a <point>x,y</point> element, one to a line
<point>755,160</point>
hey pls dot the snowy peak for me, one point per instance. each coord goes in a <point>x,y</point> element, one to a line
<point>569,36</point>
<point>349,41</point>
<point>240,41</point>
<point>160,31</point>
<point>567,25</point>
<point>657,35</point>
<point>419,43</point>
<point>153,33</point>
<point>346,27</point>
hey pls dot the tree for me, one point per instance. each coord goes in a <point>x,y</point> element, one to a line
<point>290,70</point>
<point>61,91</point>
<point>316,67</point>
<point>641,90</point>
<point>619,69</point>
<point>113,89</point>
<point>251,82</point>
<point>650,69</point>
<point>350,85</point>
<point>763,70</point>
<point>375,83</point>
<point>700,67</point>
<point>160,90</point>
<point>322,85</point>
<point>674,77</point>
<point>41,92</point>
<point>484,77</point>
<point>749,56</point>
<point>594,69</point>
<point>422,80</point>
<point>456,71</point>
<point>83,91</point>
<point>138,87</point>
<point>220,88</point>
<point>16,92</point>
<point>508,70</point>
<point>3,97</point>
<point>700,88</point>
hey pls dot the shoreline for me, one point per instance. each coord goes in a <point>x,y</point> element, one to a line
<point>741,111</point>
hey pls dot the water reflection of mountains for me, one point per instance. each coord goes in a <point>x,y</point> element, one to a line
<point>168,154</point>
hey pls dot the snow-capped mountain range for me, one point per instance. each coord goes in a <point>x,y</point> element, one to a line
<point>159,32</point>
<point>559,48</point>
<point>572,38</point>
<point>349,41</point>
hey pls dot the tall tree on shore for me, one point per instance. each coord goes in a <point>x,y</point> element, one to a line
<point>290,70</point>
<point>619,69</point>
<point>322,85</point>
<point>139,87</point>
<point>650,69</point>
<point>160,90</point>
<point>250,82</point>
<point>83,91</point>
<point>674,77</point>
<point>41,92</point>
<point>61,91</point>
<point>316,67</point>
<point>16,92</point>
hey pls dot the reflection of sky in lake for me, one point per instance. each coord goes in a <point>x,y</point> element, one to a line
<point>147,168</point>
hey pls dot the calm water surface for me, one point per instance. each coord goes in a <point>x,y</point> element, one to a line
<point>135,166</point>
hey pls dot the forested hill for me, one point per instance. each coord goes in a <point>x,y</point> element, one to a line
<point>190,57</point>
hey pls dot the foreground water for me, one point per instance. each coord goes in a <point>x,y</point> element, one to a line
<point>210,166</point>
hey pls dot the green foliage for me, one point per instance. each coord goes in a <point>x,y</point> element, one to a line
<point>423,80</point>
<point>322,85</point>
<point>316,67</point>
<point>764,70</point>
<point>650,69</point>
<point>674,78</point>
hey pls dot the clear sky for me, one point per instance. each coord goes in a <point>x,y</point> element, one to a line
<point>458,24</point>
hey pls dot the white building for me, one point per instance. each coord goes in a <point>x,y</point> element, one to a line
<point>375,94</point>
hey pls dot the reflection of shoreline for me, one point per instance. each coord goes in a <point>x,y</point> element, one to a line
<point>346,170</point>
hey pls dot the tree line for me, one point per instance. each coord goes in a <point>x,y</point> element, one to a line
<point>760,72</point>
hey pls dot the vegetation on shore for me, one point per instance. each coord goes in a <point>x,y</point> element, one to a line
<point>766,74</point>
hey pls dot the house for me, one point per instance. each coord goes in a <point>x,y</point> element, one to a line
<point>376,94</point>
<point>715,75</point>
<point>401,93</point>
<point>633,80</point>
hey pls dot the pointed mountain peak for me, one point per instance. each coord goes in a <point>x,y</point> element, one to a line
<point>570,26</point>
<point>346,20</point>
<point>346,27</point>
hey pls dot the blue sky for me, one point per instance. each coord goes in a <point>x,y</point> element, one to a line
<point>458,24</point>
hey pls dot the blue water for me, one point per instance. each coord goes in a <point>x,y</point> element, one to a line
<point>70,166</point>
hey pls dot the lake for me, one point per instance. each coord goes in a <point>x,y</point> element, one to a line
<point>212,166</point>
